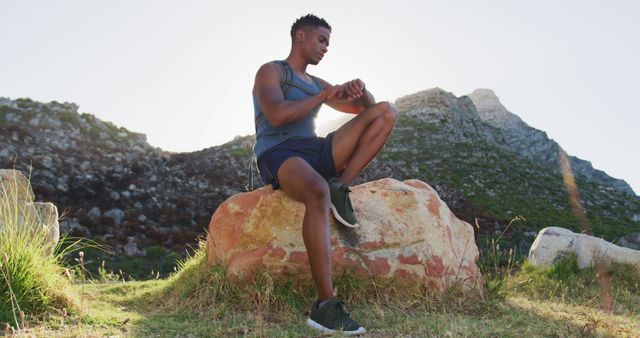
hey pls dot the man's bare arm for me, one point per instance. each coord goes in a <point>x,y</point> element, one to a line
<point>351,98</point>
<point>275,107</point>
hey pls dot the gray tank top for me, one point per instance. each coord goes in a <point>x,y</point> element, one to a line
<point>294,89</point>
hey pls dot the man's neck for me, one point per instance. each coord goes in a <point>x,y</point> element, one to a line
<point>298,64</point>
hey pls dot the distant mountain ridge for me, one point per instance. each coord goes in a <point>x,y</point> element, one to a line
<point>484,162</point>
<point>534,143</point>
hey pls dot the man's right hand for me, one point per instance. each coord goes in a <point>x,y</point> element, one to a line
<point>352,90</point>
<point>332,91</point>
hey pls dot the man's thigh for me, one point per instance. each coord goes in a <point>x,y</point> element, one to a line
<point>312,150</point>
<point>345,139</point>
<point>298,179</point>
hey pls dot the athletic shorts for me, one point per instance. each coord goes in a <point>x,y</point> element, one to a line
<point>316,151</point>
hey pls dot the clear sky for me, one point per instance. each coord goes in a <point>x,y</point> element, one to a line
<point>182,71</point>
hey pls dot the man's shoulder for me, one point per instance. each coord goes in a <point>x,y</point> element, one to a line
<point>273,68</point>
<point>275,64</point>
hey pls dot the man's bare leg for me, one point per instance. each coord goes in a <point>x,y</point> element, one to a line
<point>303,184</point>
<point>358,141</point>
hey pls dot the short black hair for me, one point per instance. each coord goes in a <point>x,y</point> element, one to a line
<point>308,20</point>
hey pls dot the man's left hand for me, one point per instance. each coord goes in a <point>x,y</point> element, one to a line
<point>352,90</point>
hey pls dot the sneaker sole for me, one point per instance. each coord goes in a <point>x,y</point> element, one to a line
<point>335,213</point>
<point>312,323</point>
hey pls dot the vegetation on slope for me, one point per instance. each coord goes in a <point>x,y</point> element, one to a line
<point>500,184</point>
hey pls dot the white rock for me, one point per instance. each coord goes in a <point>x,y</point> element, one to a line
<point>131,249</point>
<point>30,217</point>
<point>553,243</point>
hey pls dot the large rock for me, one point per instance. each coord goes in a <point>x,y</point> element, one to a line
<point>15,184</point>
<point>405,232</point>
<point>554,243</point>
<point>17,207</point>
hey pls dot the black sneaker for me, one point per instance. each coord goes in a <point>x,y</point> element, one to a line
<point>334,316</point>
<point>341,204</point>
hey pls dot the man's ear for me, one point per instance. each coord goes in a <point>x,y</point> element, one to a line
<point>300,35</point>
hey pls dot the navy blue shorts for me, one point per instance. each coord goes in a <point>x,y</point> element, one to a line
<point>316,151</point>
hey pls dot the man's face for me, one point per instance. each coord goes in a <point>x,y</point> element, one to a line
<point>315,43</point>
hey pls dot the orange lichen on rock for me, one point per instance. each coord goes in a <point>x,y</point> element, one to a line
<point>406,232</point>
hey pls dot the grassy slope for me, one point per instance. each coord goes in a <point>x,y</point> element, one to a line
<point>201,302</point>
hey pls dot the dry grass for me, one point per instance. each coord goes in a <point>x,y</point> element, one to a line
<point>200,301</point>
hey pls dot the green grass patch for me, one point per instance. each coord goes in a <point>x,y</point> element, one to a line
<point>32,281</point>
<point>565,282</point>
<point>102,264</point>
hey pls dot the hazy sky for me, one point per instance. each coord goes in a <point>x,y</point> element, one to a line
<point>182,71</point>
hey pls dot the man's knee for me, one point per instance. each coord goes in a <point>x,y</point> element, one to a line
<point>317,192</point>
<point>389,113</point>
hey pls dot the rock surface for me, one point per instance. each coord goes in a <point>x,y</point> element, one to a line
<point>631,241</point>
<point>17,206</point>
<point>406,231</point>
<point>554,243</point>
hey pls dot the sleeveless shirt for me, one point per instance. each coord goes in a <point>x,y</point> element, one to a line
<point>294,89</point>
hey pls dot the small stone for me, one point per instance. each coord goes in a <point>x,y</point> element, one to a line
<point>116,214</point>
<point>94,213</point>
<point>47,161</point>
<point>131,249</point>
<point>85,165</point>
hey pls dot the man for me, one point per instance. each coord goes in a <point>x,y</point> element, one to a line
<point>311,170</point>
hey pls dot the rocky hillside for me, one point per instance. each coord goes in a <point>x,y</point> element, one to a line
<point>109,183</point>
<point>488,164</point>
<point>484,161</point>
<point>515,135</point>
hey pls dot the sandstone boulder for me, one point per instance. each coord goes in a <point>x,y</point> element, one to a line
<point>554,243</point>
<point>17,207</point>
<point>406,232</point>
